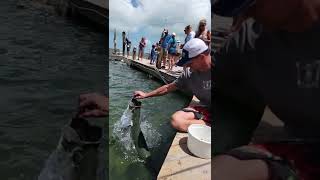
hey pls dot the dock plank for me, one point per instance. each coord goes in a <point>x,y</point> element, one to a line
<point>180,163</point>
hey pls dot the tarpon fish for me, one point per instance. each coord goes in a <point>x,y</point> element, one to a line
<point>136,133</point>
<point>78,155</point>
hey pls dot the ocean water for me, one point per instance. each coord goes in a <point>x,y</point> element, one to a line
<point>46,61</point>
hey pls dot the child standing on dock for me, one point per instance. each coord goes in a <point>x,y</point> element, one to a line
<point>153,54</point>
<point>134,53</point>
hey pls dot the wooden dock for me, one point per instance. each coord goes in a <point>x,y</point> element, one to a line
<point>145,66</point>
<point>179,163</point>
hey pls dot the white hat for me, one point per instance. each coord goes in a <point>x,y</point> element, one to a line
<point>173,34</point>
<point>191,49</point>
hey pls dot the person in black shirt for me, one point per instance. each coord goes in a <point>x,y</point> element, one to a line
<point>123,43</point>
<point>272,59</point>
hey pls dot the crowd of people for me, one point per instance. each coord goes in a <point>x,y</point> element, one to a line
<point>194,56</point>
<point>166,52</point>
<point>169,50</point>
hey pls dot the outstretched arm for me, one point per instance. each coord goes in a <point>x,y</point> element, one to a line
<point>157,92</point>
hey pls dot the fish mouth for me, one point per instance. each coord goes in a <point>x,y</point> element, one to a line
<point>134,104</point>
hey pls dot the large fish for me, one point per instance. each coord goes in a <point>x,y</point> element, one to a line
<point>136,133</point>
<point>79,154</point>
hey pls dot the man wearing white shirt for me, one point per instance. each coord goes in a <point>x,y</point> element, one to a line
<point>190,34</point>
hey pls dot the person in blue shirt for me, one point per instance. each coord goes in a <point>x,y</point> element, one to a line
<point>153,54</point>
<point>172,46</point>
<point>134,53</point>
<point>164,48</point>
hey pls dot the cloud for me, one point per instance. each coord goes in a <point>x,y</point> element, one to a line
<point>151,16</point>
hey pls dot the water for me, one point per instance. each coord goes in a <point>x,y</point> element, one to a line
<point>155,116</point>
<point>122,132</point>
<point>46,62</point>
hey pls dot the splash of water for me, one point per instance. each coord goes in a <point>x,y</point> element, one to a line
<point>122,133</point>
<point>122,129</point>
<point>153,137</point>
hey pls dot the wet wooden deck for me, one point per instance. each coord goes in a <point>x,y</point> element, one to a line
<point>180,163</point>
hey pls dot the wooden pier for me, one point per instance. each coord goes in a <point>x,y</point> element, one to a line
<point>180,163</point>
<point>145,66</point>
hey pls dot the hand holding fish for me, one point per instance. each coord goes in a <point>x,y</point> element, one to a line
<point>140,95</point>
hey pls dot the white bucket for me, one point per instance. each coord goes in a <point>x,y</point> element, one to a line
<point>199,140</point>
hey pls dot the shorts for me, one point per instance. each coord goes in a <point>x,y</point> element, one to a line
<point>141,50</point>
<point>285,161</point>
<point>163,53</point>
<point>172,52</point>
<point>200,113</point>
<point>154,58</point>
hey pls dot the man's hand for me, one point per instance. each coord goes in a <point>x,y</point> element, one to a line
<point>140,95</point>
<point>93,105</point>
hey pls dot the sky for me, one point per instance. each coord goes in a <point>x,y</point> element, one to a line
<point>148,18</point>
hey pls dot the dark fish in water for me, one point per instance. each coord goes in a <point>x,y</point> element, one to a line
<point>136,133</point>
<point>79,155</point>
